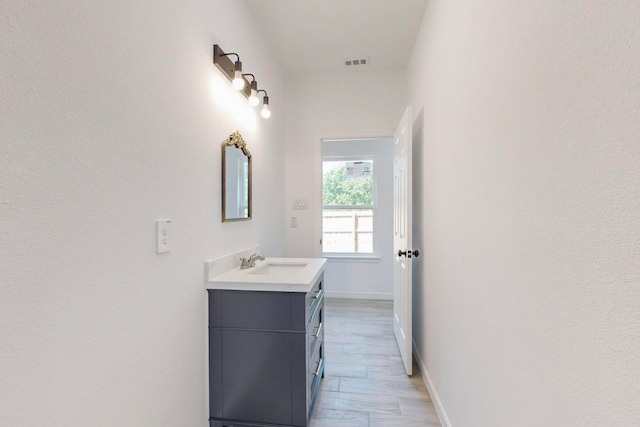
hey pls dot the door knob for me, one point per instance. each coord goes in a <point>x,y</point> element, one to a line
<point>408,253</point>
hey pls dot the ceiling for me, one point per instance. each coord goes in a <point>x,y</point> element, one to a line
<point>317,36</point>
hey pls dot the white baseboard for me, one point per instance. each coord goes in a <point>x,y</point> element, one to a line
<point>359,295</point>
<point>444,419</point>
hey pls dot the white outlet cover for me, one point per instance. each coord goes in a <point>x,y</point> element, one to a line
<point>163,236</point>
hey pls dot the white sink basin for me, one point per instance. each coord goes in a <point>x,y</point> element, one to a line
<point>272,274</point>
<point>278,268</point>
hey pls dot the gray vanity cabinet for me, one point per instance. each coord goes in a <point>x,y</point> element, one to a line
<point>266,356</point>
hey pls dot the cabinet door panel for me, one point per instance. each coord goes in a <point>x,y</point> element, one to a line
<point>215,372</point>
<point>256,378</point>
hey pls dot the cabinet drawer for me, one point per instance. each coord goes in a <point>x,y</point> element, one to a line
<point>314,297</point>
<point>315,331</point>
<point>316,369</point>
<point>255,310</point>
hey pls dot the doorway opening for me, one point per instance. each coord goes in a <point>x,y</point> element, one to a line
<point>357,217</point>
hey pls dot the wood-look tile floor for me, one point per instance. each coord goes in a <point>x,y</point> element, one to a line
<point>365,384</point>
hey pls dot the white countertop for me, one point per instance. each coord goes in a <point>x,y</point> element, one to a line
<point>303,275</point>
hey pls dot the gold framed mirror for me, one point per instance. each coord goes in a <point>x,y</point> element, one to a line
<point>236,179</point>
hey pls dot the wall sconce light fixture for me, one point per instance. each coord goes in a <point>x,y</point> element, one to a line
<point>233,71</point>
<point>253,95</point>
<point>238,80</point>
<point>265,112</point>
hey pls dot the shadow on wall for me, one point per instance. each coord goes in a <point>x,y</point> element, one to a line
<point>417,215</point>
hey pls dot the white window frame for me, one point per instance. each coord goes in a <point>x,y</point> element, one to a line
<point>374,255</point>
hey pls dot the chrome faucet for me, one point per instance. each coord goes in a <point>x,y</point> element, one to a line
<point>251,262</point>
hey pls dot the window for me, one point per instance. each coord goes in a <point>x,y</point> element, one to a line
<point>347,206</point>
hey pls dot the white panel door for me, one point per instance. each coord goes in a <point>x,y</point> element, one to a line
<point>402,239</point>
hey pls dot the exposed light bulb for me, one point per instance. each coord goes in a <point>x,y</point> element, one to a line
<point>265,112</point>
<point>238,80</point>
<point>253,98</point>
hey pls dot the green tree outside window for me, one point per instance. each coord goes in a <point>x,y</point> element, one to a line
<point>337,190</point>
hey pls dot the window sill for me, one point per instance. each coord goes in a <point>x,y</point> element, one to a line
<point>351,257</point>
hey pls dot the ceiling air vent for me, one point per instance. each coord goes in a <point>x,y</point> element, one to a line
<point>356,62</point>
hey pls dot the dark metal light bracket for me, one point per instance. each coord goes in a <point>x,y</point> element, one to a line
<point>226,65</point>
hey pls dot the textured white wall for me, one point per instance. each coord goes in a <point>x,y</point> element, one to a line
<point>527,299</point>
<point>327,106</point>
<point>111,116</point>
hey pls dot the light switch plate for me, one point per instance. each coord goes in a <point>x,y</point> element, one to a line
<point>163,236</point>
<point>300,204</point>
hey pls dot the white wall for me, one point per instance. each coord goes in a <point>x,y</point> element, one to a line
<point>527,299</point>
<point>331,106</point>
<point>370,278</point>
<point>112,116</point>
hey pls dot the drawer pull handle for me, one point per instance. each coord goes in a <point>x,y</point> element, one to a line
<point>317,334</point>
<point>319,294</point>
<point>320,363</point>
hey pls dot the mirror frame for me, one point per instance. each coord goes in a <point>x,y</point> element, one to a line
<point>235,140</point>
